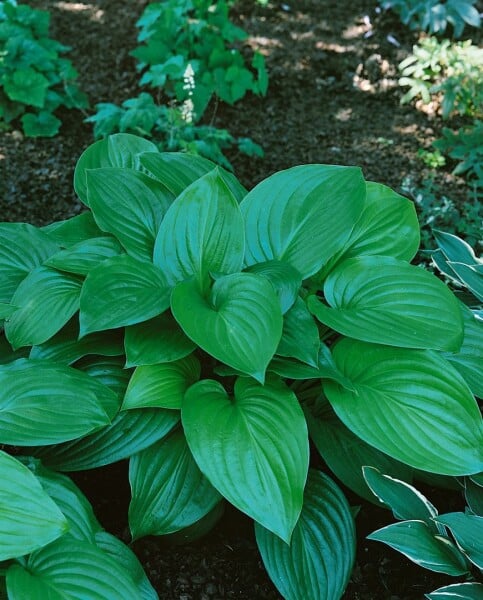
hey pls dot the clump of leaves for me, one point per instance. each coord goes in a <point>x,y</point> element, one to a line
<point>434,16</point>
<point>205,332</point>
<point>34,79</point>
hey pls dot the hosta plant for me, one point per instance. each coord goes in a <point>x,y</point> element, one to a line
<point>204,332</point>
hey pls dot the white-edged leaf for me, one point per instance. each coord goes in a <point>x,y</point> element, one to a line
<point>458,591</point>
<point>467,530</point>
<point>318,561</point>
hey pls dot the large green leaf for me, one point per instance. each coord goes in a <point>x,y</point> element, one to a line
<point>300,335</point>
<point>46,299</point>
<point>467,530</point>
<point>253,447</point>
<point>29,518</point>
<point>345,453</point>
<point>129,205</point>
<point>458,591</point>
<point>415,540</point>
<point>318,561</point>
<point>387,301</point>
<point>121,291</point>
<point>169,492</point>
<point>161,386</point>
<point>158,340</point>
<point>239,323</point>
<point>22,249</point>
<point>45,403</point>
<point>85,255</point>
<point>118,150</point>
<point>71,231</point>
<point>468,360</point>
<point>202,232</point>
<point>284,278</point>
<point>70,569</point>
<point>303,215</point>
<point>410,404</point>
<point>131,431</point>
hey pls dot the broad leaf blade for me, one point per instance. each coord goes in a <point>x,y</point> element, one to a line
<point>85,255</point>
<point>253,448</point>
<point>318,561</point>
<point>284,278</point>
<point>410,404</point>
<point>300,335</point>
<point>29,518</point>
<point>72,231</point>
<point>387,301</point>
<point>455,249</point>
<point>468,533</point>
<point>169,492</point>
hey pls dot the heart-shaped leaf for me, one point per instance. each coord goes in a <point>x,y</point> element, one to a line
<point>29,518</point>
<point>318,561</point>
<point>303,215</point>
<point>410,404</point>
<point>253,448</point>
<point>387,301</point>
<point>202,232</point>
<point>121,291</point>
<point>169,492</point>
<point>239,323</point>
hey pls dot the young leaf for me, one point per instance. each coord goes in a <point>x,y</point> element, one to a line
<point>458,591</point>
<point>387,301</point>
<point>202,232</point>
<point>29,518</point>
<point>410,404</point>
<point>468,533</point>
<point>47,300</point>
<point>240,323</point>
<point>415,540</point>
<point>253,447</point>
<point>318,561</point>
<point>161,386</point>
<point>159,340</point>
<point>70,569</point>
<point>85,255</point>
<point>300,335</point>
<point>302,216</point>
<point>169,492</point>
<point>121,291</point>
<point>118,150</point>
<point>71,231</point>
<point>284,278</point>
<point>129,205</point>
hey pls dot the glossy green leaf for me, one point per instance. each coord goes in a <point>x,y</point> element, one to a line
<point>239,323</point>
<point>82,522</point>
<point>85,255</point>
<point>415,540</point>
<point>474,496</point>
<point>6,310</point>
<point>70,569</point>
<point>468,360</point>
<point>131,431</point>
<point>458,591</point>
<point>71,231</point>
<point>455,249</point>
<point>387,301</point>
<point>158,340</point>
<point>47,300</point>
<point>163,385</point>
<point>405,501</point>
<point>130,206</point>
<point>467,530</point>
<point>22,249</point>
<point>345,453</point>
<point>318,562</point>
<point>108,370</point>
<point>300,335</point>
<point>169,492</point>
<point>121,291</point>
<point>284,278</point>
<point>118,150</point>
<point>253,448</point>
<point>194,532</point>
<point>471,276</point>
<point>202,232</point>
<point>410,404</point>
<point>44,403</point>
<point>303,215</point>
<point>125,557</point>
<point>29,518</point>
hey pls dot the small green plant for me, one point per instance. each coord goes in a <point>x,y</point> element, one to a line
<point>34,79</point>
<point>434,16</point>
<point>445,72</point>
<point>204,332</point>
<point>434,160</point>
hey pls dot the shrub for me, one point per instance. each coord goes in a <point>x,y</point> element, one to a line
<point>203,333</point>
<point>34,79</point>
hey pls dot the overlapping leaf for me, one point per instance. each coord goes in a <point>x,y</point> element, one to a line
<point>468,533</point>
<point>69,232</point>
<point>458,591</point>
<point>300,335</point>
<point>284,278</point>
<point>85,255</point>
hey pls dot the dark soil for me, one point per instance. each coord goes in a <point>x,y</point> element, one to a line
<point>333,98</point>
